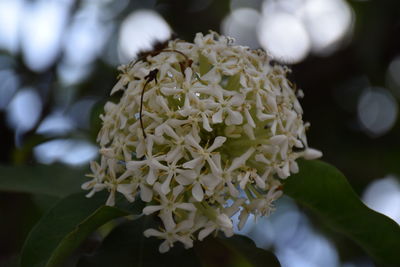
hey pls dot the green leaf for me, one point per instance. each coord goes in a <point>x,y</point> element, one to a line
<point>66,225</point>
<point>127,246</point>
<point>236,251</point>
<point>326,191</point>
<point>205,65</point>
<point>233,83</point>
<point>256,256</point>
<point>52,180</point>
<point>95,121</point>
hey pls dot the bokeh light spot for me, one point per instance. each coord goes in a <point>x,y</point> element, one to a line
<point>85,38</point>
<point>56,124</point>
<point>10,14</point>
<point>71,74</point>
<point>290,29</point>
<point>241,24</point>
<point>43,24</point>
<point>327,22</point>
<point>377,111</point>
<point>72,152</point>
<point>383,195</point>
<point>284,37</point>
<point>24,110</point>
<point>288,231</point>
<point>139,31</point>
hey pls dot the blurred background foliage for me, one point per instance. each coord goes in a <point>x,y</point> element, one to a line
<point>58,64</point>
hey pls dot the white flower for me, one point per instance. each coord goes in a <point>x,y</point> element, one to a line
<point>230,108</point>
<point>179,233</point>
<point>151,162</point>
<point>221,222</point>
<point>168,205</point>
<point>96,184</point>
<point>200,183</point>
<point>311,153</point>
<point>173,171</point>
<point>131,182</point>
<point>196,126</point>
<point>201,155</point>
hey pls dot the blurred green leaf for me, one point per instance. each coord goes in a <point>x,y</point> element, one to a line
<point>236,251</point>
<point>66,226</point>
<point>22,154</point>
<point>52,180</point>
<point>127,246</point>
<point>95,121</point>
<point>256,256</point>
<point>325,190</point>
<point>43,202</point>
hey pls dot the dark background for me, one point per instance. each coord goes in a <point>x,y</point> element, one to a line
<point>58,63</point>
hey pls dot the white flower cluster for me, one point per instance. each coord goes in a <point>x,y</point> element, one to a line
<point>202,131</point>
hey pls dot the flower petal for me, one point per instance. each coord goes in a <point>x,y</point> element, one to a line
<point>167,219</point>
<point>278,139</point>
<point>218,142</point>
<point>165,185</point>
<point>127,190</point>
<point>186,206</point>
<point>205,232</point>
<point>189,139</point>
<point>151,209</point>
<point>244,179</point>
<point>206,124</point>
<point>146,194</point>
<point>193,163</point>
<point>184,180</point>
<point>224,221</point>
<point>234,117</point>
<point>151,177</point>
<point>244,215</point>
<point>217,117</point>
<point>164,247</point>
<point>152,232</point>
<point>311,153</point>
<point>197,192</point>
<point>240,161</point>
<point>111,199</point>
<point>249,118</point>
<point>134,165</point>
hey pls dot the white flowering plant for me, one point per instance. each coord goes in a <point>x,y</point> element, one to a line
<point>202,131</point>
<point>201,137</point>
